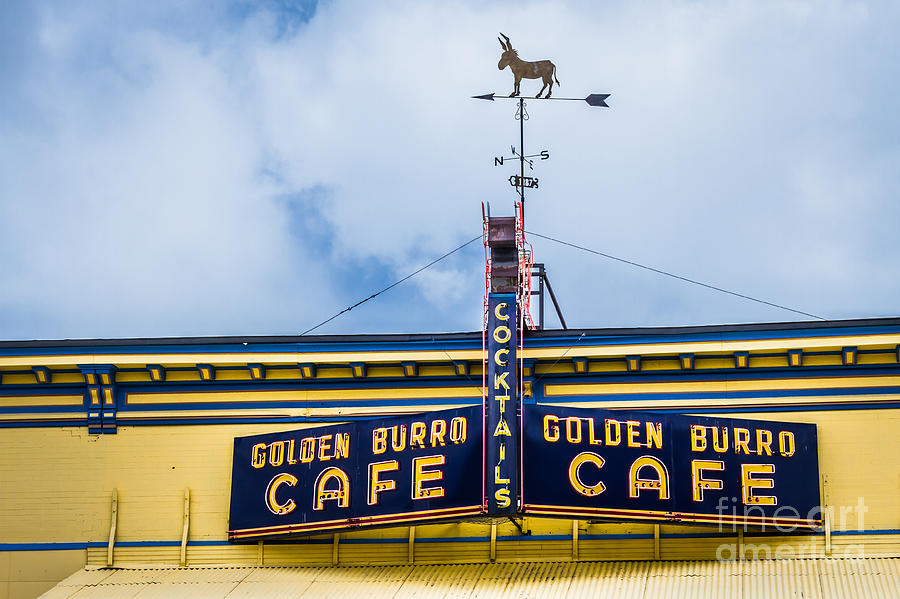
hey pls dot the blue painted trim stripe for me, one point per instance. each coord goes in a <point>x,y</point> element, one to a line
<point>123,409</point>
<point>124,421</point>
<point>637,338</point>
<point>47,390</point>
<point>248,405</point>
<point>42,546</point>
<point>469,539</point>
<point>41,409</point>
<point>244,420</point>
<point>688,395</point>
<point>828,392</point>
<point>775,409</point>
<point>882,531</point>
<point>723,374</point>
<point>456,381</point>
<point>42,423</point>
<point>450,381</point>
<point>250,349</point>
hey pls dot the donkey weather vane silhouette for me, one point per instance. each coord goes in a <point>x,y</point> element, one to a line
<point>523,69</point>
<point>539,69</point>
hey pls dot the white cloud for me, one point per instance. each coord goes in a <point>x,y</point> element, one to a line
<point>748,145</point>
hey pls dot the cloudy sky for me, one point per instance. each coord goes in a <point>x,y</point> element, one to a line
<point>198,168</point>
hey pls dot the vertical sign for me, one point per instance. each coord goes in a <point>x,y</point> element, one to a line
<point>502,428</point>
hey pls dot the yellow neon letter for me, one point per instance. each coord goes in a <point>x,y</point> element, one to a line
<point>748,483</point>
<point>654,434</point>
<point>341,445</point>
<point>307,450</point>
<point>379,440</point>
<point>341,494</point>
<point>763,441</point>
<point>377,485</point>
<point>290,454</point>
<point>592,439</point>
<point>258,455</point>
<point>631,428</point>
<point>551,431</point>
<point>613,432</point>
<point>498,479</point>
<point>398,437</point>
<point>501,306</point>
<point>501,380</point>
<point>700,484</point>
<point>276,453</point>
<point>573,434</point>
<point>438,431</point>
<point>741,440</point>
<point>502,429</point>
<point>660,484</point>
<point>698,437</point>
<point>324,446</point>
<point>502,334</point>
<point>421,476</point>
<point>280,509</point>
<point>786,443</point>
<point>724,446</point>
<point>458,430</point>
<point>417,432</point>
<point>575,479</point>
<point>497,359</point>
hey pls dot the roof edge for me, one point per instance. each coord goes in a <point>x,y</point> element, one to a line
<point>460,336</point>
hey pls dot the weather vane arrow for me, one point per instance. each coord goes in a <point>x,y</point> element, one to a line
<point>592,100</point>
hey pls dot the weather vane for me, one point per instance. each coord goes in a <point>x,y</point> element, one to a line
<point>524,69</point>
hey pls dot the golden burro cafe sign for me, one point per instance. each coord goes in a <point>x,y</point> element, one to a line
<point>586,463</point>
<point>368,473</point>
<point>504,459</point>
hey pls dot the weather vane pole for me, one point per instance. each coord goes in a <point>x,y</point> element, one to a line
<point>524,69</point>
<point>522,116</point>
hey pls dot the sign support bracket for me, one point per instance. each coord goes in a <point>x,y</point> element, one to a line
<point>187,524</point>
<point>519,526</point>
<point>493,543</point>
<point>656,541</point>
<point>575,540</point>
<point>113,519</point>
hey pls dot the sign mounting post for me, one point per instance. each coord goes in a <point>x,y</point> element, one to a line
<point>507,299</point>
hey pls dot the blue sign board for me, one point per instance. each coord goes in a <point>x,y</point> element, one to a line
<point>425,467</point>
<point>644,466</point>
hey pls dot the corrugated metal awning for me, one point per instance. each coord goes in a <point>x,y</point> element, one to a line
<point>807,578</point>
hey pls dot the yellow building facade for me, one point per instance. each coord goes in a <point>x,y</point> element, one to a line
<point>116,462</point>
